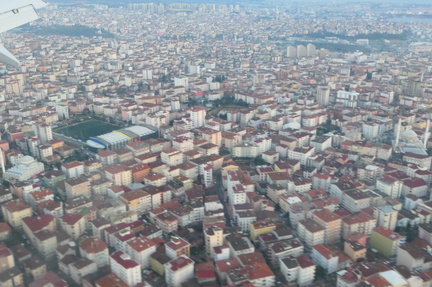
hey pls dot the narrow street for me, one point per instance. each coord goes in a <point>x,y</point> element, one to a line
<point>220,192</point>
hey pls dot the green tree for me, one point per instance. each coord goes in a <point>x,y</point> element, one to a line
<point>220,78</point>
<point>320,273</point>
<point>259,161</point>
<point>223,116</point>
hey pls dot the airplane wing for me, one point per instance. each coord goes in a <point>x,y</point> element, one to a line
<point>13,14</point>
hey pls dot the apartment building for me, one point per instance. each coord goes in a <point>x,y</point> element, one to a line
<point>140,250</point>
<point>332,224</point>
<point>125,268</point>
<point>178,271</point>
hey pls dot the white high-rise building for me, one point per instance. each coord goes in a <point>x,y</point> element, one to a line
<point>194,69</point>
<point>181,81</point>
<point>124,267</point>
<point>206,173</point>
<point>291,52</point>
<point>323,95</point>
<point>43,132</point>
<point>147,74</point>
<point>197,116</point>
<point>370,130</point>
<point>348,99</point>
<point>301,51</point>
<point>175,104</point>
<point>32,145</point>
<point>62,111</point>
<point>310,50</point>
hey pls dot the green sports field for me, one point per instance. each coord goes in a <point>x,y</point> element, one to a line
<point>87,129</point>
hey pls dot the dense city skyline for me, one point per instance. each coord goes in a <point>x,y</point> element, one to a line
<point>220,143</point>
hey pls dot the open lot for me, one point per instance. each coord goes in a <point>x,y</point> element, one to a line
<point>84,130</point>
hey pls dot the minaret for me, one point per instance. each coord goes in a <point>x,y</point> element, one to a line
<point>398,133</point>
<point>2,161</point>
<point>426,136</point>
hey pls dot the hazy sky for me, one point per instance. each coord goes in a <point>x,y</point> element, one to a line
<point>424,2</point>
<point>254,2</point>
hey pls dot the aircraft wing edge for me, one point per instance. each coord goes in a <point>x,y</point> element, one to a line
<point>7,58</point>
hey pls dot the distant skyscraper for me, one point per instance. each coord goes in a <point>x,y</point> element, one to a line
<point>323,95</point>
<point>301,51</point>
<point>310,50</point>
<point>291,52</point>
<point>43,132</point>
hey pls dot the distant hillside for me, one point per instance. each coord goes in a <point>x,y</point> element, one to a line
<point>124,2</point>
<point>71,31</point>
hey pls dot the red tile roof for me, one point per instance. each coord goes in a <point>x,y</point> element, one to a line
<point>141,243</point>
<point>180,263</point>
<point>111,280</point>
<point>121,258</point>
<point>414,182</point>
<point>49,279</point>
<point>225,265</point>
<point>326,215</point>
<point>72,164</point>
<point>386,233</point>
<point>177,243</point>
<point>71,219</point>
<point>37,223</point>
<point>93,245</point>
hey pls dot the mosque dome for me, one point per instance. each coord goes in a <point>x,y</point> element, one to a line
<point>26,160</point>
<point>292,125</point>
<point>410,136</point>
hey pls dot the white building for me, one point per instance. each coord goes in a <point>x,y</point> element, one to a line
<point>301,154</point>
<point>244,218</point>
<point>95,249</point>
<point>301,51</point>
<point>348,99</point>
<point>310,50</point>
<point>291,52</point>
<point>370,130</point>
<point>331,260</point>
<point>62,111</point>
<point>43,131</point>
<point>140,249</point>
<point>124,267</point>
<point>73,169</point>
<point>181,81</point>
<point>178,271</point>
<point>220,253</point>
<point>386,216</point>
<point>214,237</point>
<point>300,270</point>
<point>246,150</point>
<point>26,168</point>
<point>197,116</point>
<point>323,95</point>
<point>390,186</point>
<point>206,173</point>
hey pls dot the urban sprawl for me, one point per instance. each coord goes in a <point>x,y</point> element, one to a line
<point>218,145</point>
